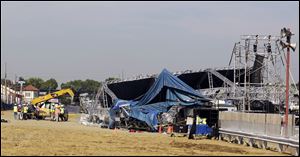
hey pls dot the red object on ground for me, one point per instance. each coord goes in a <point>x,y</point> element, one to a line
<point>170,129</point>
<point>159,129</point>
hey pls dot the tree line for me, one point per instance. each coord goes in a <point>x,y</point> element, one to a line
<point>48,85</point>
<point>79,86</point>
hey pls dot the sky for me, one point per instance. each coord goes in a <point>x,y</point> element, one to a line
<point>97,40</point>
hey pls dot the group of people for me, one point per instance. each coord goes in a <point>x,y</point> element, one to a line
<point>57,112</point>
<point>21,111</point>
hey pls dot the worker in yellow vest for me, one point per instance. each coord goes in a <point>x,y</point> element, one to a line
<point>203,120</point>
<point>20,112</point>
<point>52,111</point>
<point>198,120</point>
<point>25,111</point>
<point>16,111</point>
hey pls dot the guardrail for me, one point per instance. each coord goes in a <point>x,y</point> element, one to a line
<point>277,140</point>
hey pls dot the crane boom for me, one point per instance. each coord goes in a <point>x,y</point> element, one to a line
<point>52,95</point>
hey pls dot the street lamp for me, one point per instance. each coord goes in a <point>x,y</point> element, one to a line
<point>285,32</point>
<point>21,83</point>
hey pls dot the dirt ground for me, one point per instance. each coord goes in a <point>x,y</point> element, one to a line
<point>31,137</point>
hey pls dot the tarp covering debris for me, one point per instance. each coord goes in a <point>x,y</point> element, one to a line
<point>166,92</point>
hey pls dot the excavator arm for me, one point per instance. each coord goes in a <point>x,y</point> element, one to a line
<point>52,95</point>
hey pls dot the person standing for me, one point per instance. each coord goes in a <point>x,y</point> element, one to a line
<point>25,111</point>
<point>15,111</point>
<point>20,116</point>
<point>62,112</point>
<point>37,112</point>
<point>193,129</point>
<point>52,111</point>
<point>57,112</point>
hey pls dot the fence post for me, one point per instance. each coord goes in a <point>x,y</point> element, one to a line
<point>293,125</point>
<point>280,148</point>
<point>251,142</point>
<point>265,124</point>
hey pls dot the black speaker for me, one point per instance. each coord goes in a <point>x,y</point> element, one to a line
<point>256,76</point>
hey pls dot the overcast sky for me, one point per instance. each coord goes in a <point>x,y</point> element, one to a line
<point>97,40</point>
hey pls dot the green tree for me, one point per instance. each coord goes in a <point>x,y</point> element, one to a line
<point>50,84</point>
<point>87,86</point>
<point>91,86</point>
<point>79,86</point>
<point>35,81</point>
<point>75,85</point>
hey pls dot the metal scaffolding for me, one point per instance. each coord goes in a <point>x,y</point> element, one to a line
<point>262,60</point>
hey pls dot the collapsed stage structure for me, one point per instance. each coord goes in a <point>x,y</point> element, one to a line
<point>252,81</point>
<point>253,78</point>
<point>166,92</point>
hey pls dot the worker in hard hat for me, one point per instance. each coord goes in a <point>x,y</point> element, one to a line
<point>25,111</point>
<point>52,111</point>
<point>20,111</point>
<point>15,111</point>
<point>57,112</point>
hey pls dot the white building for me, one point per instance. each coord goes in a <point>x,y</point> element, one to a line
<point>8,95</point>
<point>29,92</point>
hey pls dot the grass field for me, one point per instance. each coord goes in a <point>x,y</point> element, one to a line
<point>33,137</point>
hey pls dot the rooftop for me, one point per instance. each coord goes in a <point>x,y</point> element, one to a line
<point>30,88</point>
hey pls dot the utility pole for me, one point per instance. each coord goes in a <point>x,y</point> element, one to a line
<point>5,82</point>
<point>287,84</point>
<point>15,84</point>
<point>21,90</point>
<point>285,32</point>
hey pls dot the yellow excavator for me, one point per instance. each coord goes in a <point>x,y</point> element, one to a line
<point>44,109</point>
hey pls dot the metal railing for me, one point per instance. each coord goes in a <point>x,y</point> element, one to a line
<point>277,140</point>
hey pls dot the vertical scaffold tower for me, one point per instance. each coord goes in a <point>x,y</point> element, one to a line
<point>258,62</point>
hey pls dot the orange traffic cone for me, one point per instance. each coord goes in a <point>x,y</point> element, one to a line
<point>170,129</point>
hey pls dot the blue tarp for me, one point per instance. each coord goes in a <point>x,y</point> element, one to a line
<point>166,79</point>
<point>167,91</point>
<point>202,129</point>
